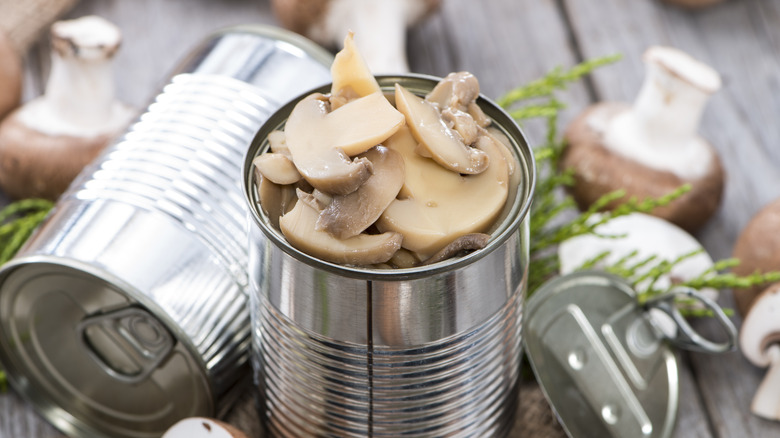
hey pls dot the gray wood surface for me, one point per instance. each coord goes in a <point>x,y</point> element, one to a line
<point>507,43</point>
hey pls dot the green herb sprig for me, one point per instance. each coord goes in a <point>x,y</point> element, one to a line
<point>17,222</point>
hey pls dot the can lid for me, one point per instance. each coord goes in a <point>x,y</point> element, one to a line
<point>93,359</point>
<point>600,362</point>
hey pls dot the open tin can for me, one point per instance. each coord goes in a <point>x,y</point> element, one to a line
<point>127,310</point>
<point>427,351</point>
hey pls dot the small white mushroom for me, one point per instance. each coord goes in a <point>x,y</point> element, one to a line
<point>647,235</point>
<point>759,341</point>
<point>200,427</point>
<point>651,148</point>
<point>46,143</point>
<point>381,24</point>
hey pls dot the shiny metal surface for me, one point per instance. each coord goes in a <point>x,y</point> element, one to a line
<point>431,351</point>
<point>128,309</point>
<point>600,362</point>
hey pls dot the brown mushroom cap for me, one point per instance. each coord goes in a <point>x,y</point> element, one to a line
<point>598,171</point>
<point>38,165</point>
<point>758,249</point>
<point>10,77</point>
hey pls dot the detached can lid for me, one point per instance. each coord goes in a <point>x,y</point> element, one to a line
<point>602,362</point>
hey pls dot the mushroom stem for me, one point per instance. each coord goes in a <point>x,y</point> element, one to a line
<point>766,401</point>
<point>79,98</point>
<point>660,130</point>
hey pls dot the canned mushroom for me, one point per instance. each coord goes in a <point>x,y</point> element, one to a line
<point>346,345</point>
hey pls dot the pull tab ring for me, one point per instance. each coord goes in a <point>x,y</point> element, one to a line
<point>686,337</point>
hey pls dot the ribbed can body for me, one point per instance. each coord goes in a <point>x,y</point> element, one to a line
<point>426,351</point>
<point>128,309</point>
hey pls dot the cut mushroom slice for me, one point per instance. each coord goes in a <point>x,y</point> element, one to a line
<point>298,226</point>
<point>349,215</point>
<point>444,146</point>
<point>321,142</point>
<point>277,168</point>
<point>457,91</point>
<point>435,205</point>
<point>469,242</point>
<point>759,341</point>
<point>275,200</point>
<point>351,77</point>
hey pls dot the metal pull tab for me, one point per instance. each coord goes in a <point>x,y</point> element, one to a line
<point>686,336</point>
<point>128,344</point>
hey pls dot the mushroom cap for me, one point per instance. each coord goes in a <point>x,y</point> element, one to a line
<point>38,165</point>
<point>598,171</point>
<point>201,427</point>
<point>761,327</point>
<point>758,249</point>
<point>646,234</point>
<point>10,77</point>
<point>89,37</point>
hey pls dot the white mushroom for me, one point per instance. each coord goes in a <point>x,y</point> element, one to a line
<point>651,148</point>
<point>760,343</point>
<point>649,236</point>
<point>45,143</point>
<point>200,427</point>
<point>380,23</point>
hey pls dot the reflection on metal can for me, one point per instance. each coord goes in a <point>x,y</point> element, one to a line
<point>429,351</point>
<point>127,310</point>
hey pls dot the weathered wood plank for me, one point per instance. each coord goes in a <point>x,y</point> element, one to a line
<point>734,38</point>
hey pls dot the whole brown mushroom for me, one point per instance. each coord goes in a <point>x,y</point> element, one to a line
<point>47,142</point>
<point>758,250</point>
<point>381,25</point>
<point>651,148</point>
<point>10,77</point>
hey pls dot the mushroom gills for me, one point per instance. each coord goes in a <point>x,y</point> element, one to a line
<point>349,215</point>
<point>322,141</point>
<point>298,227</point>
<point>441,142</point>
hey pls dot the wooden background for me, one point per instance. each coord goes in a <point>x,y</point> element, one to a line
<point>507,43</point>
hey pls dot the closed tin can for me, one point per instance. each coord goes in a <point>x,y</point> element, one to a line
<point>428,351</point>
<point>127,311</point>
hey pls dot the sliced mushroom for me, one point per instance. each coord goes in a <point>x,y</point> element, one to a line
<point>759,341</point>
<point>275,200</point>
<point>351,76</point>
<point>436,205</point>
<point>469,242</point>
<point>298,227</point>
<point>277,168</point>
<point>277,142</point>
<point>349,215</point>
<point>651,148</point>
<point>321,142</point>
<point>457,91</point>
<point>442,144</point>
<point>200,427</point>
